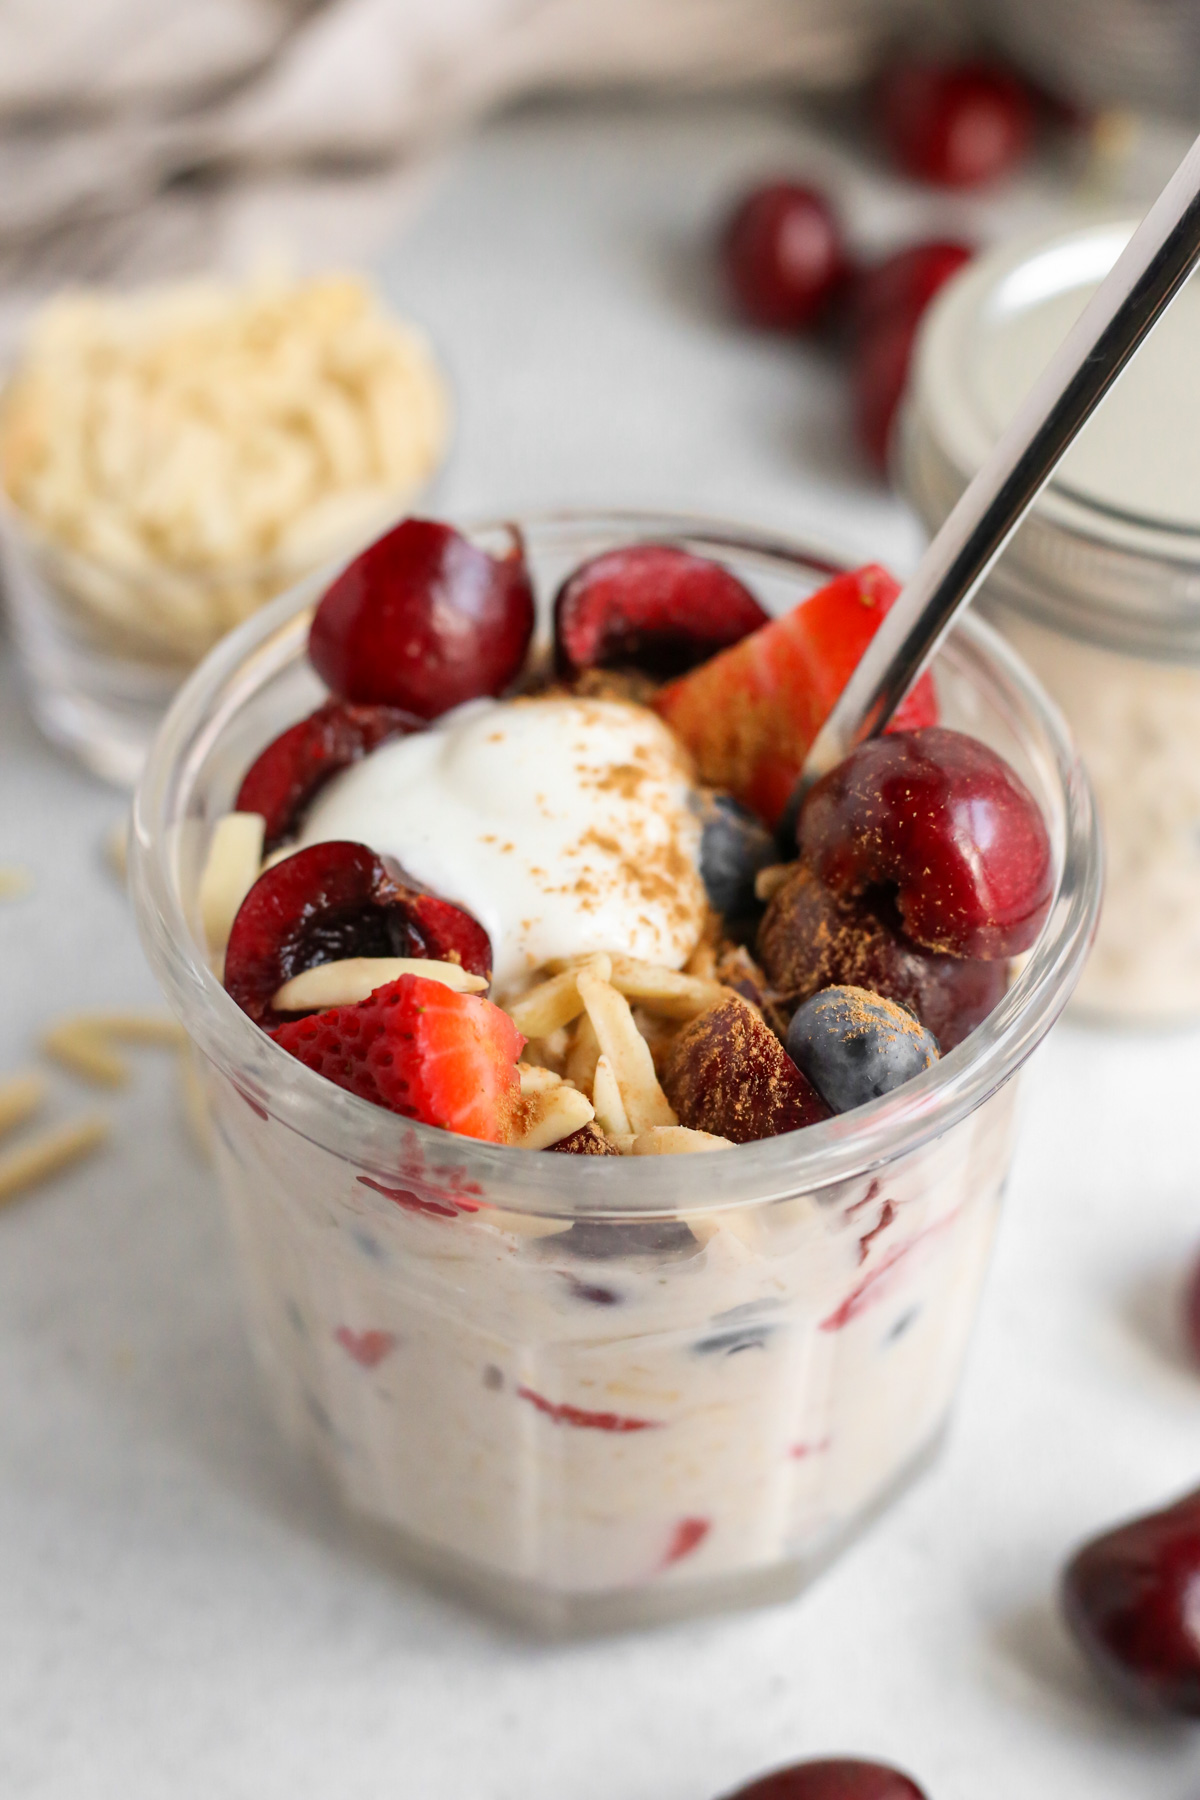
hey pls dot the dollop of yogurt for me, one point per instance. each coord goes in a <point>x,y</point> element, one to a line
<point>563,824</point>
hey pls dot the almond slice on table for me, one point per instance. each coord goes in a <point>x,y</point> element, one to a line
<point>84,1042</point>
<point>355,978</point>
<point>231,868</point>
<point>554,1003</point>
<point>628,1054</point>
<point>46,1155</point>
<point>19,1100</point>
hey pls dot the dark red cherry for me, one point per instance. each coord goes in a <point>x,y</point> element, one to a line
<point>285,776</point>
<point>652,606</point>
<point>890,302</point>
<point>955,124</point>
<point>832,1778</point>
<point>938,820</point>
<point>424,620</point>
<point>811,939</point>
<point>1132,1599</point>
<point>784,256</point>
<point>332,901</point>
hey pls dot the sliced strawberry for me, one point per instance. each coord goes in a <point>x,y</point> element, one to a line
<point>335,900</point>
<point>420,1049</point>
<point>750,714</point>
<point>288,773</point>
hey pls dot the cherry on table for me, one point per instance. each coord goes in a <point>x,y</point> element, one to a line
<point>832,1778</point>
<point>940,821</point>
<point>784,256</point>
<point>1132,1599</point>
<point>652,607</point>
<point>424,620</point>
<point>890,301</point>
<point>955,124</point>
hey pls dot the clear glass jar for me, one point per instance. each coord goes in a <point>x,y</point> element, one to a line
<point>1100,588</point>
<point>591,1392</point>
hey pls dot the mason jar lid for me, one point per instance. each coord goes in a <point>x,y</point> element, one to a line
<point>1111,550</point>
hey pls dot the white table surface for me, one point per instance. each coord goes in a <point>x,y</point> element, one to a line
<point>181,1611</point>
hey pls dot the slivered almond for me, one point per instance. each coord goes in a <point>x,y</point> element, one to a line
<point>606,1098</point>
<point>230,871</point>
<point>527,1225</point>
<point>628,1054</point>
<point>664,991</point>
<point>582,1053</point>
<point>677,1140</point>
<point>535,1080</point>
<point>347,982</point>
<point>84,1042</point>
<point>46,1155</point>
<point>545,1119</point>
<point>19,1100</point>
<point>556,1002</point>
<point>768,881</point>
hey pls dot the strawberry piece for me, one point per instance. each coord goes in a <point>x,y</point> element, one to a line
<point>650,606</point>
<point>334,900</point>
<point>288,773</point>
<point>419,1049</point>
<point>749,716</point>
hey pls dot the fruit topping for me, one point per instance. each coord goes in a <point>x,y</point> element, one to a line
<point>652,607</point>
<point>419,1049</point>
<point>855,1046</point>
<point>589,1140</point>
<point>890,304</point>
<point>832,1778</point>
<point>749,716</point>
<point>283,779</point>
<point>1131,1599</point>
<point>956,124</point>
<point>734,846</point>
<point>783,256</point>
<point>727,1073</point>
<point>811,939</point>
<point>941,821</point>
<point>335,901</point>
<point>424,620</point>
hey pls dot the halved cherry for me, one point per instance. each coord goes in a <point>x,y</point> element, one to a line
<point>424,620</point>
<point>338,900</point>
<point>286,775</point>
<point>832,1778</point>
<point>652,606</point>
<point>938,820</point>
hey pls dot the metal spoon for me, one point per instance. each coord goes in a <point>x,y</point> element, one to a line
<point>1125,309</point>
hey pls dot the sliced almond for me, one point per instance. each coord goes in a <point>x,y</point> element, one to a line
<point>19,1100</point>
<point>536,1080</point>
<point>665,991</point>
<point>232,868</point>
<point>527,1225</point>
<point>606,1098</point>
<point>554,1003</point>
<point>84,1042</point>
<point>346,983</point>
<point>628,1054</point>
<point>546,1118</point>
<point>46,1155</point>
<point>677,1140</point>
<point>582,1054</point>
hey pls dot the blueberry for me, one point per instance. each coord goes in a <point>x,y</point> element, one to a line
<point>854,1045</point>
<point>734,846</point>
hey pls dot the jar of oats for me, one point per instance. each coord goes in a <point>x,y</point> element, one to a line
<point>1100,588</point>
<point>172,458</point>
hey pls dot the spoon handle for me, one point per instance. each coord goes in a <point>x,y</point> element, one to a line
<point>1133,297</point>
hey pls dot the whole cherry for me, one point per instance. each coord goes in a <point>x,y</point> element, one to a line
<point>653,607</point>
<point>1132,1600</point>
<point>890,301</point>
<point>783,255</point>
<point>955,124</point>
<point>832,1778</point>
<point>942,823</point>
<point>424,620</point>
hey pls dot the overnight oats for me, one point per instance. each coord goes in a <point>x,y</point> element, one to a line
<point>613,1170</point>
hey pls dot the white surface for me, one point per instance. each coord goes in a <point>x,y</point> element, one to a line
<point>181,1611</point>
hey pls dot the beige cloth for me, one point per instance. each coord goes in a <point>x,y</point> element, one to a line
<point>143,133</point>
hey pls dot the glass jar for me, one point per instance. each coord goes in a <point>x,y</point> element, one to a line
<point>1100,588</point>
<point>590,1392</point>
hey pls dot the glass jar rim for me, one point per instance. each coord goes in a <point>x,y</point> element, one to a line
<point>1105,573</point>
<point>819,1157</point>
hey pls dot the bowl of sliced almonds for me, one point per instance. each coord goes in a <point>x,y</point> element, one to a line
<point>172,458</point>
